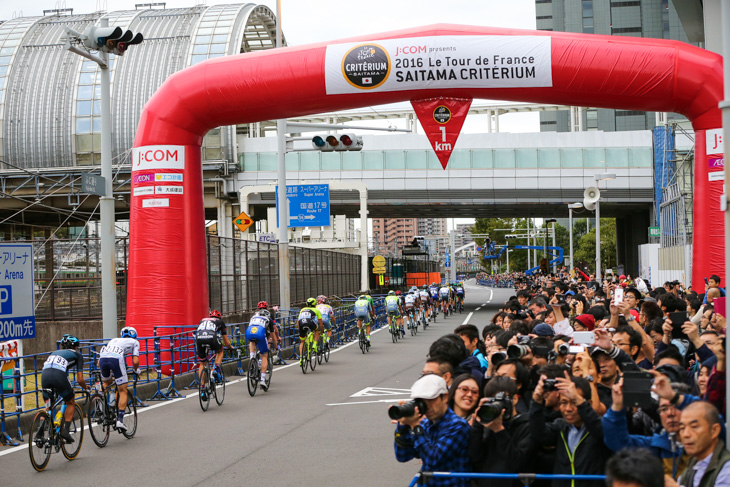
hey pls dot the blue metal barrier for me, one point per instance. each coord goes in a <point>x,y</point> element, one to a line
<point>501,283</point>
<point>422,478</point>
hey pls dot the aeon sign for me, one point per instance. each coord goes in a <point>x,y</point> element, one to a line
<point>158,157</point>
<point>143,178</point>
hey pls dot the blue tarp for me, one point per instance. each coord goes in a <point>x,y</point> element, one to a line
<point>664,164</point>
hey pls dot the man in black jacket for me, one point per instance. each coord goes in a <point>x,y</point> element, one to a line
<point>502,445</point>
<point>577,435</point>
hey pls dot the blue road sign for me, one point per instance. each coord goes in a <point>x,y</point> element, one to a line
<point>17,300</point>
<point>309,205</point>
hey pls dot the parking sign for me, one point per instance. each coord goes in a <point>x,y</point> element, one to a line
<point>17,302</point>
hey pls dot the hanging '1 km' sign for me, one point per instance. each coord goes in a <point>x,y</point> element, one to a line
<point>442,119</point>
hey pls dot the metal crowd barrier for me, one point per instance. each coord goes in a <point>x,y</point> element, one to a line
<point>162,357</point>
<point>422,478</point>
<point>502,283</point>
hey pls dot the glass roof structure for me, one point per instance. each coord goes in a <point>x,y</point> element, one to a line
<point>50,111</point>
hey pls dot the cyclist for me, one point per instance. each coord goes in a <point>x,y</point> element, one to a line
<point>211,331</point>
<point>309,319</point>
<point>370,300</point>
<point>395,312</point>
<point>328,315</point>
<point>55,376</point>
<point>364,312</point>
<point>410,306</point>
<point>275,336</point>
<point>259,329</point>
<point>434,291</point>
<point>444,295</point>
<point>113,365</point>
<point>460,294</point>
<point>426,303</point>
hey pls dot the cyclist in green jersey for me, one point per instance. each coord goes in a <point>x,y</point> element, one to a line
<point>309,319</point>
<point>395,311</point>
<point>364,312</point>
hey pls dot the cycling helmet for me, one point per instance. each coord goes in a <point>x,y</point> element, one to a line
<point>321,299</point>
<point>216,314</point>
<point>391,293</point>
<point>129,332</point>
<point>262,305</point>
<point>398,293</point>
<point>69,341</point>
<point>311,302</point>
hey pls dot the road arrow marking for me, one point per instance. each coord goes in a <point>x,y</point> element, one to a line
<point>380,391</point>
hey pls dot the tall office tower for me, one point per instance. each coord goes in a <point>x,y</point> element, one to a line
<point>391,234</point>
<point>463,234</point>
<point>431,227</point>
<point>639,18</point>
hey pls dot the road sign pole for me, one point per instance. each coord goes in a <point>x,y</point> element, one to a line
<point>452,245</point>
<point>284,299</point>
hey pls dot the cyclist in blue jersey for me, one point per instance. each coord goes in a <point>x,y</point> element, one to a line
<point>364,313</point>
<point>460,294</point>
<point>259,329</point>
<point>55,376</point>
<point>328,316</point>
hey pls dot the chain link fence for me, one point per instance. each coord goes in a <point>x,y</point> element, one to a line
<point>67,275</point>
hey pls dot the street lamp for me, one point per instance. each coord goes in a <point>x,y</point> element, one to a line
<point>598,178</point>
<point>547,230</point>
<point>571,207</point>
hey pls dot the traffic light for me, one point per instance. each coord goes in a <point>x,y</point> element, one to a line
<point>327,143</point>
<point>113,40</point>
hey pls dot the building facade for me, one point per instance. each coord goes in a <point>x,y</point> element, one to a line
<point>638,18</point>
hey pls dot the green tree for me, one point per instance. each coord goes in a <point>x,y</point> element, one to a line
<point>586,247</point>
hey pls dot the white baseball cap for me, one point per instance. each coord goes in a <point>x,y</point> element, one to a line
<point>430,386</point>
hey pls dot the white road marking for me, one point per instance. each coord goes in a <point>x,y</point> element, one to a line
<point>491,295</point>
<point>361,402</point>
<point>478,308</point>
<point>467,319</point>
<point>380,391</point>
<point>24,446</point>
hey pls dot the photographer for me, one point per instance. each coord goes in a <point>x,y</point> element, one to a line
<point>577,435</point>
<point>500,438</point>
<point>520,374</point>
<point>429,430</point>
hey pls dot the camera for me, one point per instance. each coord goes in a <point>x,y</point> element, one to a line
<point>563,349</point>
<point>549,385</point>
<point>523,339</point>
<point>492,408</point>
<point>405,410</point>
<point>517,351</point>
<point>498,358</point>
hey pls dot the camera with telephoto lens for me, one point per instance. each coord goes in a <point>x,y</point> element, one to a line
<point>493,406</point>
<point>549,385</point>
<point>523,339</point>
<point>408,409</point>
<point>498,357</point>
<point>517,351</point>
<point>563,349</point>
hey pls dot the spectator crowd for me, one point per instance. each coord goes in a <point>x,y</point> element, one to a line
<point>580,377</point>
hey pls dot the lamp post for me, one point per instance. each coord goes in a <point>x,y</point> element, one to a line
<point>598,178</point>
<point>571,207</point>
<point>547,229</point>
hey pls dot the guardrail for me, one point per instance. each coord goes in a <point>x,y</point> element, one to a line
<point>502,283</point>
<point>422,478</point>
<point>163,357</point>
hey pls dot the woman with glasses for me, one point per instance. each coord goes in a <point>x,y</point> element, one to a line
<point>464,395</point>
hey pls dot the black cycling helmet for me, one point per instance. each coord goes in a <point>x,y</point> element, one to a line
<point>69,341</point>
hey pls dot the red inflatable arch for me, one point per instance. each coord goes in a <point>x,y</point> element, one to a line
<point>167,261</point>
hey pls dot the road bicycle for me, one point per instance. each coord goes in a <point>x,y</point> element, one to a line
<point>362,339</point>
<point>254,372</point>
<point>412,325</point>
<point>323,349</point>
<point>45,435</point>
<point>209,385</point>
<point>394,329</point>
<point>103,411</point>
<point>424,319</point>
<point>308,358</point>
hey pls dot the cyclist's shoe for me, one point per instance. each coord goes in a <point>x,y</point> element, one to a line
<point>203,396</point>
<point>367,339</point>
<point>65,434</point>
<point>314,348</point>
<point>121,426</point>
<point>216,376</point>
<point>264,387</point>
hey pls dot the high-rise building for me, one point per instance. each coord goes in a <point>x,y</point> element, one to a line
<point>391,234</point>
<point>428,227</point>
<point>463,234</point>
<point>638,18</point>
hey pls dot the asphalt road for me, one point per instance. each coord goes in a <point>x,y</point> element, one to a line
<point>328,427</point>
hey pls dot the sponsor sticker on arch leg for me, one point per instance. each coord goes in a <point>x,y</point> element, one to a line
<point>154,168</point>
<point>447,62</point>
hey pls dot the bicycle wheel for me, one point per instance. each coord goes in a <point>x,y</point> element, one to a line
<point>310,353</point>
<point>253,376</point>
<point>76,430</point>
<point>203,389</point>
<point>220,388</point>
<point>303,361</point>
<point>97,424</point>
<point>326,352</point>
<point>39,443</point>
<point>320,350</point>
<point>270,370</point>
<point>361,338</point>
<point>392,333</point>
<point>130,416</point>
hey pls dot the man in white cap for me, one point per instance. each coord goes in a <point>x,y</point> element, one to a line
<point>436,435</point>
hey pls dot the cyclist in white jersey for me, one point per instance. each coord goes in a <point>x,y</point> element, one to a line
<point>328,316</point>
<point>444,296</point>
<point>426,302</point>
<point>411,303</point>
<point>113,365</point>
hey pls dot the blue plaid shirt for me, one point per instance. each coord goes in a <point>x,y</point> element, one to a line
<point>442,448</point>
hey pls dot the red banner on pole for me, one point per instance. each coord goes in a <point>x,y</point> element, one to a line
<point>442,119</point>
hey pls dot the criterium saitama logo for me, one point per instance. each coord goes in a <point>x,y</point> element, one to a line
<point>366,66</point>
<point>442,114</point>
